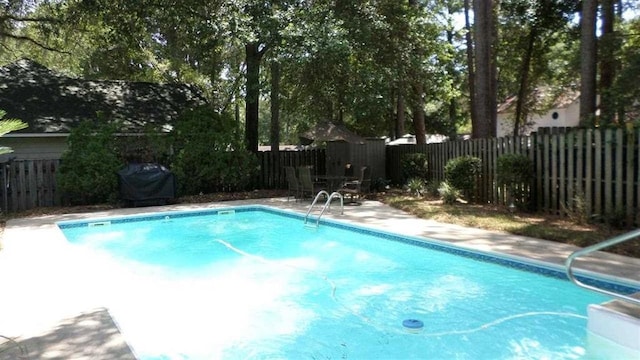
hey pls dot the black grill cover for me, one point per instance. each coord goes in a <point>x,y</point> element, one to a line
<point>143,184</point>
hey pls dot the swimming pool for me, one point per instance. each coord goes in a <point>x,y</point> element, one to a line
<point>253,282</point>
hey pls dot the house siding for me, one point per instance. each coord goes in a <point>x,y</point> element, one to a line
<point>34,148</point>
<point>567,117</point>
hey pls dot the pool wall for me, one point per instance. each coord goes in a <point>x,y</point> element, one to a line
<point>606,282</point>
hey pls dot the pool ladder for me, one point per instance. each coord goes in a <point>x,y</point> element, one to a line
<point>589,249</point>
<point>327,204</point>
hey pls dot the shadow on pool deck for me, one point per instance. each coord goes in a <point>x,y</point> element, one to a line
<point>90,335</point>
<point>94,335</point>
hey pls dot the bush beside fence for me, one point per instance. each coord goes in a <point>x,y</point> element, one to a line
<point>595,171</point>
<point>29,184</point>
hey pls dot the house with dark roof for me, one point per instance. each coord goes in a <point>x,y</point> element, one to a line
<point>52,104</point>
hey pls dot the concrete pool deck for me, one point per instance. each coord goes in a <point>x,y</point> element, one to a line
<point>48,303</point>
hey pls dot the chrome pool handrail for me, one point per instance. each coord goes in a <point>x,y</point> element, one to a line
<point>599,246</point>
<point>326,205</point>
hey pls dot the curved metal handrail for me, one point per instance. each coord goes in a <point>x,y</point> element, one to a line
<point>321,192</point>
<point>589,249</point>
<point>326,205</point>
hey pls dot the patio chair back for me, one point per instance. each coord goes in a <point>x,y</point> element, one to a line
<point>292,182</point>
<point>365,180</point>
<point>360,187</point>
<point>307,186</point>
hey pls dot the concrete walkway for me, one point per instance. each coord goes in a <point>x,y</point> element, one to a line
<point>43,281</point>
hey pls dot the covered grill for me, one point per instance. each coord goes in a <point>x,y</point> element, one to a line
<point>146,184</point>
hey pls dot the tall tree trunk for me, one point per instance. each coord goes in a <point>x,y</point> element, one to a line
<point>470,64</point>
<point>253,56</point>
<point>588,56</point>
<point>401,116</point>
<point>523,90</point>
<point>418,114</point>
<point>453,103</point>
<point>608,47</point>
<point>484,126</point>
<point>417,105</point>
<point>275,107</point>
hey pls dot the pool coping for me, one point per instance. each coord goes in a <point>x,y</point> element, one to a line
<point>22,236</point>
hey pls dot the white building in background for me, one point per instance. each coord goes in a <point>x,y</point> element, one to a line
<point>411,139</point>
<point>564,111</point>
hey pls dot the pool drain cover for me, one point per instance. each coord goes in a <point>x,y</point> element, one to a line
<point>413,324</point>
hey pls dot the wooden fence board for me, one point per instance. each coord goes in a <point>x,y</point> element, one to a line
<point>571,171</point>
<point>636,185</point>
<point>608,167</point>
<point>600,166</point>
<point>588,188</point>
<point>619,181</point>
<point>562,177</point>
<point>598,180</point>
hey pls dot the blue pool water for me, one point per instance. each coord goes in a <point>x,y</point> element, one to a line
<point>257,284</point>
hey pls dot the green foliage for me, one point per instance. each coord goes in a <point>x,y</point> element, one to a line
<point>448,193</point>
<point>380,184</point>
<point>7,126</point>
<point>578,212</point>
<point>414,166</point>
<point>88,168</point>
<point>209,156</point>
<point>433,187</point>
<point>461,173</point>
<point>416,186</point>
<point>515,171</point>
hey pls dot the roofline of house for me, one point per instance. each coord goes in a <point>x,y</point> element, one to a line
<point>59,135</point>
<point>38,135</point>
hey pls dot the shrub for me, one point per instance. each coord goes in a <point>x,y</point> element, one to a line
<point>461,173</point>
<point>448,193</point>
<point>578,212</point>
<point>209,155</point>
<point>380,185</point>
<point>414,166</point>
<point>432,188</point>
<point>87,173</point>
<point>416,186</point>
<point>514,171</point>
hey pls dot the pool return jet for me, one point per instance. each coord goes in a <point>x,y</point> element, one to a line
<point>327,204</point>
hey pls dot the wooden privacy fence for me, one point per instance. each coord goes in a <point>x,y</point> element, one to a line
<point>595,172</point>
<point>272,175</point>
<point>488,150</point>
<point>29,184</point>
<point>592,172</point>
<point>598,170</point>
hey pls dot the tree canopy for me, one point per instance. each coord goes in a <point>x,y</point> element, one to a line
<point>387,67</point>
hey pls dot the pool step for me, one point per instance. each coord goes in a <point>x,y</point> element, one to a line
<point>618,321</point>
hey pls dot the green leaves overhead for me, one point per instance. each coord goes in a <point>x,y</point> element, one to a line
<point>363,63</point>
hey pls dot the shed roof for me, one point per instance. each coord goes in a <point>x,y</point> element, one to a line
<point>54,103</point>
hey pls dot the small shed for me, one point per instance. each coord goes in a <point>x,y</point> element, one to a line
<point>370,153</point>
<point>346,147</point>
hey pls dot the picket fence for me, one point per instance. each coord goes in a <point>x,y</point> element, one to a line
<point>593,172</point>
